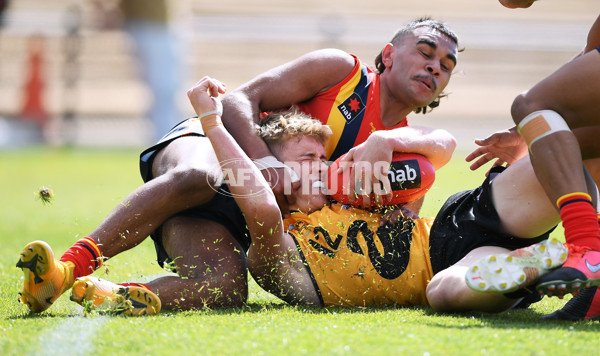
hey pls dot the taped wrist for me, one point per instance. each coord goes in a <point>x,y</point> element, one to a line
<point>210,120</point>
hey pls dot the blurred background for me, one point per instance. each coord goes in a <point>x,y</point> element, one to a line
<point>108,74</point>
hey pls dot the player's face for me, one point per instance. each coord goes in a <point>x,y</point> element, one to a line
<point>306,156</point>
<point>419,67</point>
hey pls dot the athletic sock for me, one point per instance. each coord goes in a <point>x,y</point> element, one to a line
<point>86,255</point>
<point>580,220</point>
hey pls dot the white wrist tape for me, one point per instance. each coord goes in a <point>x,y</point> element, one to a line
<point>218,110</point>
<point>272,162</point>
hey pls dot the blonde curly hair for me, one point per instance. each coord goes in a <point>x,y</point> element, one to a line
<point>278,127</point>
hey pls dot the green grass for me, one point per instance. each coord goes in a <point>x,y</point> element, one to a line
<point>87,184</point>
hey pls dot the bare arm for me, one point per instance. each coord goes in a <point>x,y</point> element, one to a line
<point>276,89</point>
<point>435,144</point>
<point>279,88</point>
<point>272,251</point>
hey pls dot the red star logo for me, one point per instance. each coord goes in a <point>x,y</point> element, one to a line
<point>354,104</point>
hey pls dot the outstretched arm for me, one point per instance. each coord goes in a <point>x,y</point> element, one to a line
<point>244,179</point>
<point>271,252</point>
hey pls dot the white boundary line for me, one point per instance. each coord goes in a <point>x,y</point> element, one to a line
<point>74,336</point>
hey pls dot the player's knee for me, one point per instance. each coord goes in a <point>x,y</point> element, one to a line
<point>539,124</point>
<point>522,106</point>
<point>438,296</point>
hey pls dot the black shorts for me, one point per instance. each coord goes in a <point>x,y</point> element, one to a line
<point>222,208</point>
<point>469,220</point>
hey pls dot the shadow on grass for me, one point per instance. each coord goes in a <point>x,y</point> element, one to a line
<point>517,318</point>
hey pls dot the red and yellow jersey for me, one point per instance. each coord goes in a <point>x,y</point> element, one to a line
<point>351,109</point>
<point>355,262</point>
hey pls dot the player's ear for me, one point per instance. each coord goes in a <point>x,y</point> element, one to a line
<point>387,55</point>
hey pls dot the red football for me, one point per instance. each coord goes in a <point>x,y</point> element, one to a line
<point>410,174</point>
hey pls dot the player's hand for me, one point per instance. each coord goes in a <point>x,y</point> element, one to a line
<point>505,146</point>
<point>204,96</point>
<point>393,215</point>
<point>281,183</point>
<point>370,162</point>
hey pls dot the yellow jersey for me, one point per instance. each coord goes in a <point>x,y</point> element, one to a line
<point>355,262</point>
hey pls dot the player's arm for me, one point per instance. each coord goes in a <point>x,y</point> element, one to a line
<point>436,144</point>
<point>245,181</point>
<point>271,246</point>
<point>279,88</point>
<point>276,89</point>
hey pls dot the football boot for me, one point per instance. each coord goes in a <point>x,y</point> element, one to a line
<point>105,296</point>
<point>583,306</point>
<point>45,278</point>
<point>508,272</point>
<point>581,270</point>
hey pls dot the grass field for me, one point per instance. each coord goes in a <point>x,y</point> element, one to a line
<point>88,183</point>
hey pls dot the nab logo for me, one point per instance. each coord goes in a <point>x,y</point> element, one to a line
<point>405,174</point>
<point>351,107</point>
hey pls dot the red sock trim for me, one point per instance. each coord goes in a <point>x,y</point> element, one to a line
<point>131,284</point>
<point>86,255</point>
<point>580,221</point>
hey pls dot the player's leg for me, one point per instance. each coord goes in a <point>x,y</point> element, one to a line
<point>491,278</point>
<point>586,304</point>
<point>184,171</point>
<point>520,210</point>
<point>524,211</point>
<point>516,270</point>
<point>184,176</point>
<point>546,114</point>
<point>523,208</point>
<point>449,292</point>
<point>211,267</point>
<point>211,264</point>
